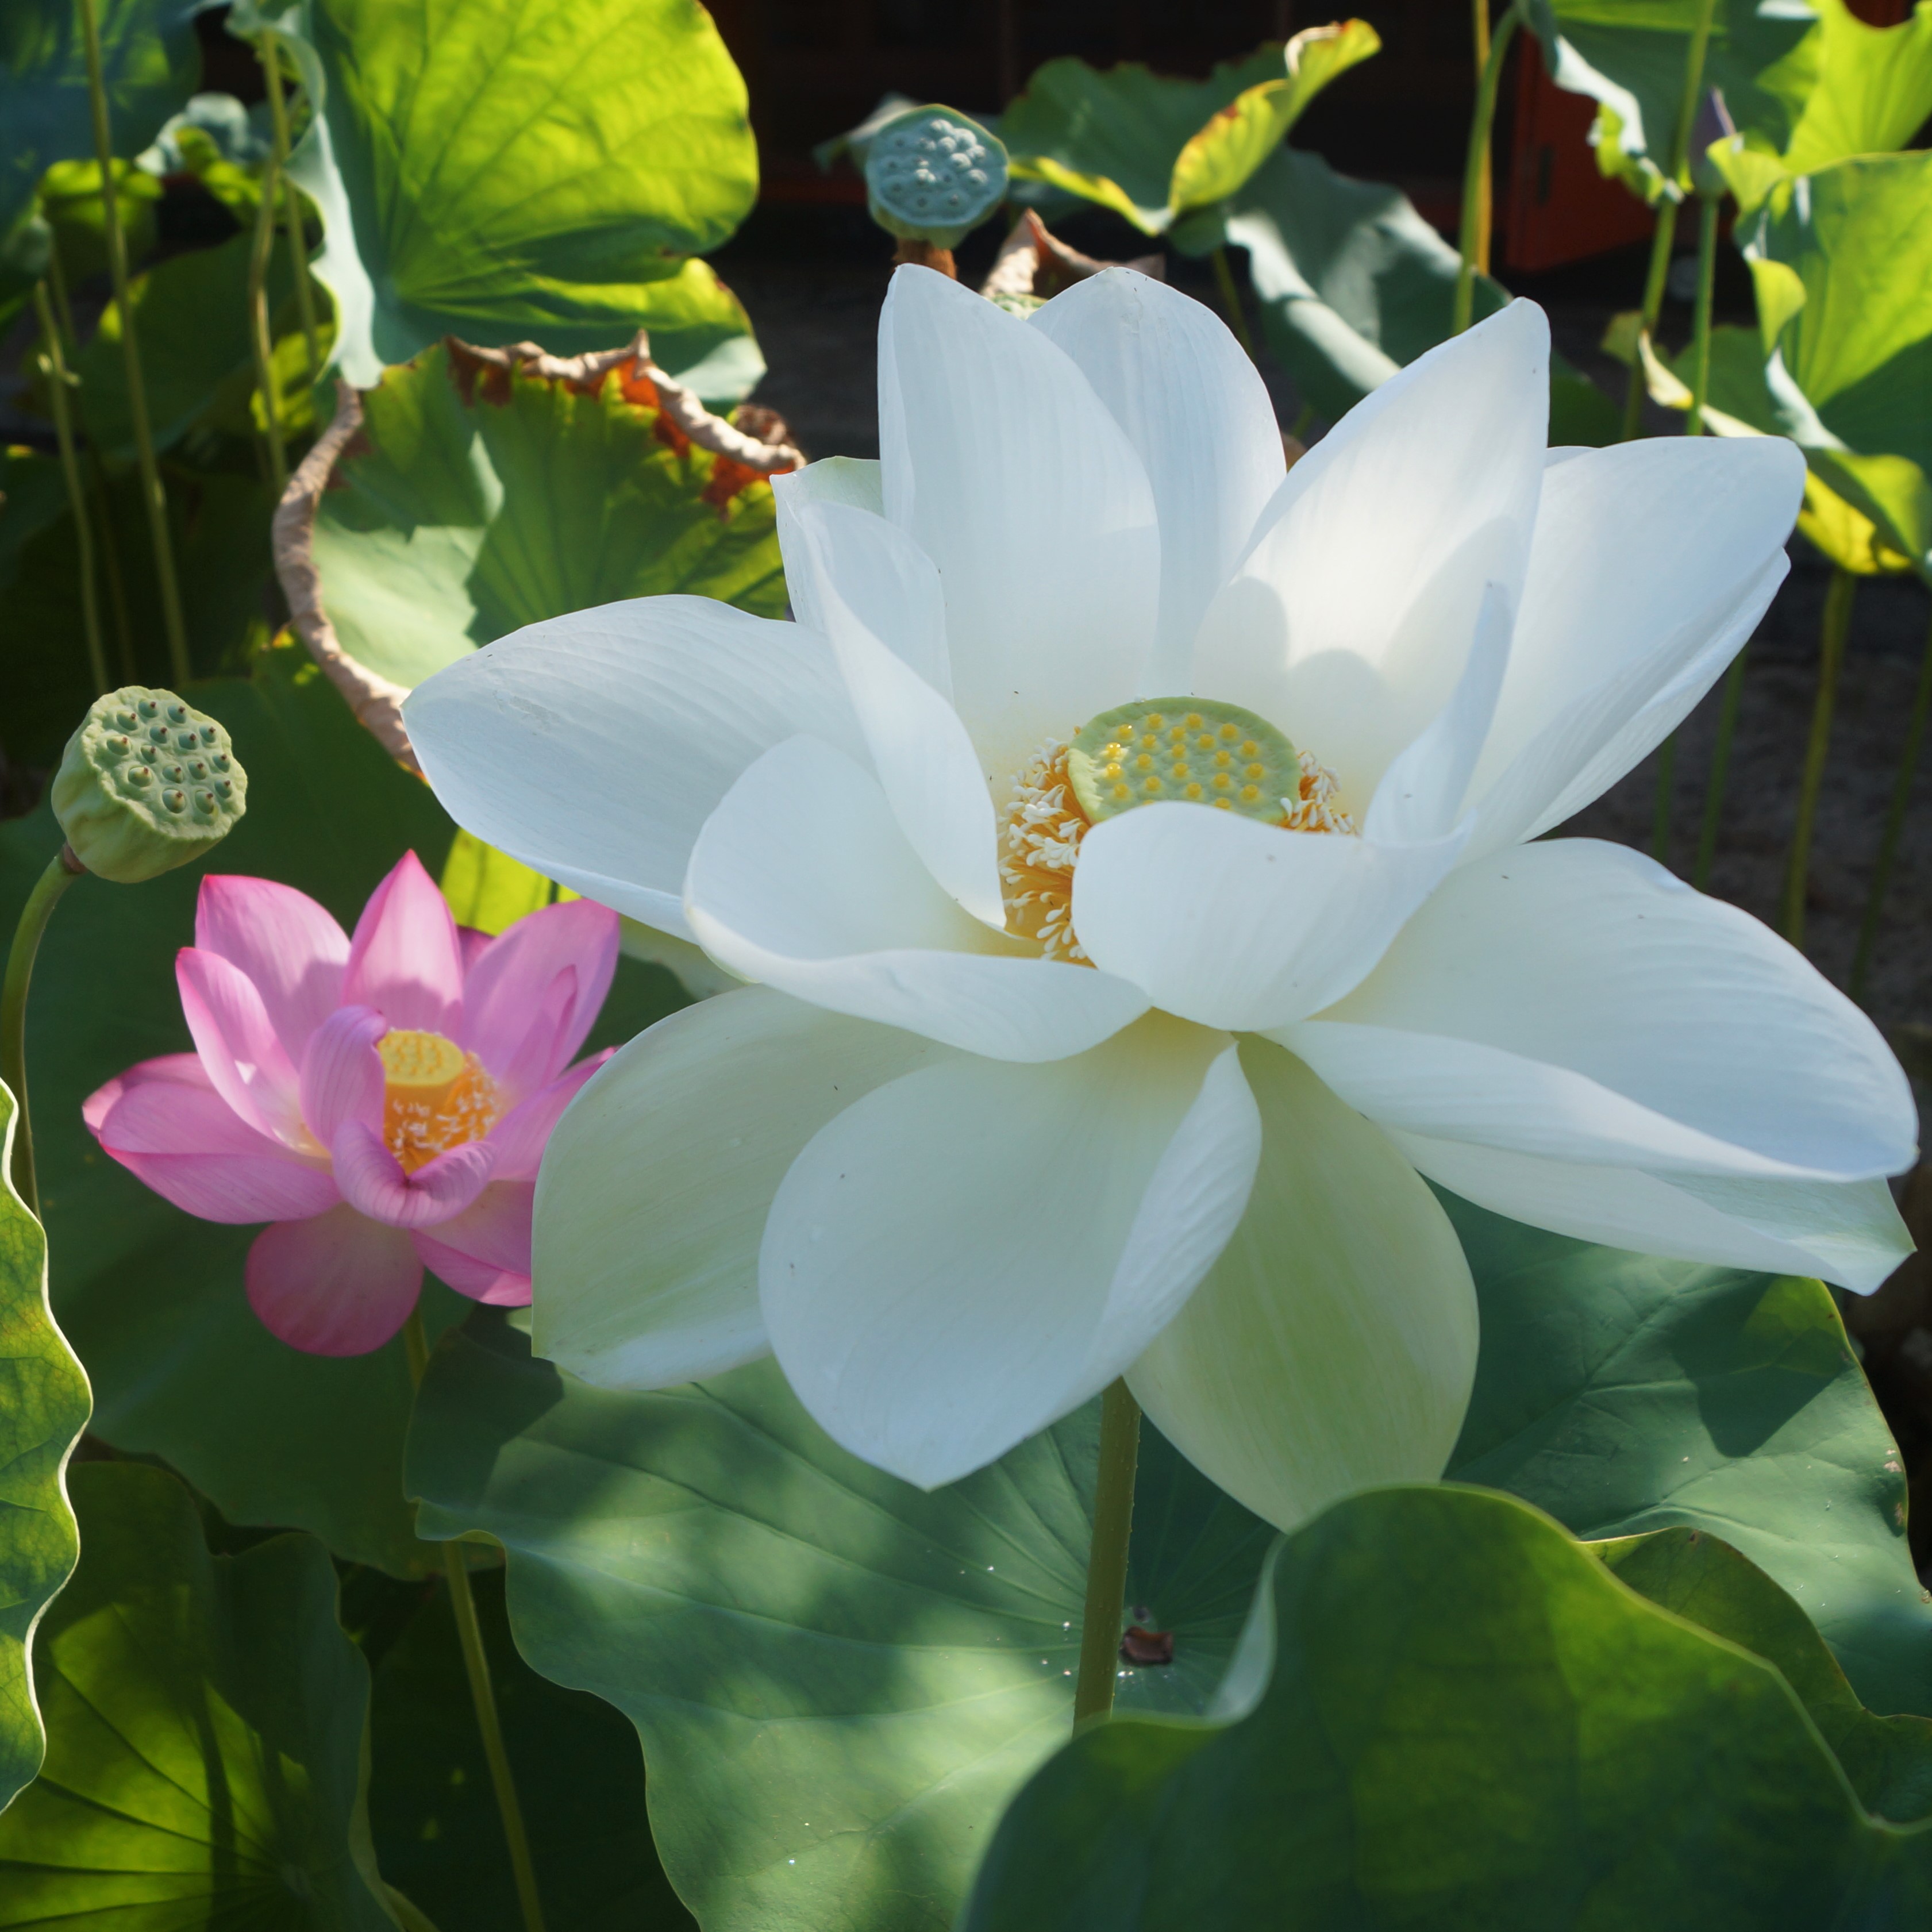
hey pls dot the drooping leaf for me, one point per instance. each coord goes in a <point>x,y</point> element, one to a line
<point>1622,1393</point>
<point>1445,1713</point>
<point>839,1678</point>
<point>485,500</point>
<point>579,1781</point>
<point>43,1407</point>
<point>1156,149</point>
<point>152,1298</point>
<point>204,1735</point>
<point>148,61</point>
<point>1354,285</point>
<point>1888,1760</point>
<point>504,172</point>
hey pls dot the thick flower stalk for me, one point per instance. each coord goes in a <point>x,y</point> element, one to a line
<point>1135,851</point>
<point>382,1100</point>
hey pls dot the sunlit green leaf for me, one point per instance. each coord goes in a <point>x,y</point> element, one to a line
<point>148,60</point>
<point>1446,1713</point>
<point>481,501</point>
<point>205,1758</point>
<point>508,171</point>
<point>71,202</point>
<point>43,1407</point>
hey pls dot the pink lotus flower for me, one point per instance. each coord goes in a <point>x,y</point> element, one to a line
<point>382,1101</point>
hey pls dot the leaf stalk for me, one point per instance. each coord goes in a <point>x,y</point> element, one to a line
<point>54,372</point>
<point>63,868</point>
<point>1107,1558</point>
<point>1476,218</point>
<point>1833,633</point>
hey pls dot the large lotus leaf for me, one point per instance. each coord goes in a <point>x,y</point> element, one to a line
<point>148,61</point>
<point>1623,1394</point>
<point>152,1299</point>
<point>1154,149</point>
<point>1355,284</point>
<point>839,1679</point>
<point>580,1779</point>
<point>206,1715</point>
<point>1445,1713</point>
<point>502,170</point>
<point>43,1407</point>
<point>475,506</point>
<point>1888,1760</point>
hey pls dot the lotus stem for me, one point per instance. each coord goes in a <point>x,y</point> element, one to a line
<point>57,288</point>
<point>1667,207</point>
<point>1107,1560</point>
<point>1486,189</point>
<point>62,870</point>
<point>1667,795</point>
<point>270,53</point>
<point>482,1693</point>
<point>110,560</point>
<point>1836,628</point>
<point>260,337</point>
<point>154,497</point>
<point>1700,336</point>
<point>1231,300</point>
<point>1720,770</point>
<point>1475,228</point>
<point>53,366</point>
<point>1894,824</point>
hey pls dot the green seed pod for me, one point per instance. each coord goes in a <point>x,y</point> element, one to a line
<point>119,793</point>
<point>932,175</point>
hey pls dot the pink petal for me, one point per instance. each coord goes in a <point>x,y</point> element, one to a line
<point>535,1058</point>
<point>335,1284</point>
<point>373,1180</point>
<point>173,1070</point>
<point>405,960</point>
<point>342,1072</point>
<point>508,982</point>
<point>473,945</point>
<point>518,1139</point>
<point>234,1188</point>
<point>287,944</point>
<point>484,1251</point>
<point>240,1052</point>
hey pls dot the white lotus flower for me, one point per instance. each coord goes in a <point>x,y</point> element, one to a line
<point>1040,1083</point>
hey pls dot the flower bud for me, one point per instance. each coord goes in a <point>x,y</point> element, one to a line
<point>932,175</point>
<point>147,783</point>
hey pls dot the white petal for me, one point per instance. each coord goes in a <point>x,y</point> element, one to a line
<point>652,1202</point>
<point>1236,924</point>
<point>877,598</point>
<point>594,746</point>
<point>802,879</point>
<point>884,580</point>
<point>1349,622</point>
<point>1001,463</point>
<point>1334,1345</point>
<point>1421,795</point>
<point>1643,555</point>
<point>1195,407</point>
<point>1539,992</point>
<point>1848,1232</point>
<point>966,1255</point>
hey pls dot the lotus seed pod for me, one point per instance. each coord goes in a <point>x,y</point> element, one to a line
<point>932,175</point>
<point>126,798</point>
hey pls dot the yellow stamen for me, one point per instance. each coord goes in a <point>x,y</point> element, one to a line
<point>435,1096</point>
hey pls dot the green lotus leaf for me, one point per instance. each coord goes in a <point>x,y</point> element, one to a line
<point>839,1678</point>
<point>1700,1577</point>
<point>153,1299</point>
<point>1447,1713</point>
<point>43,1407</point>
<point>484,501</point>
<point>1155,149</point>
<point>507,171</point>
<point>580,1779</point>
<point>205,1715</point>
<point>1623,1394</point>
<point>1353,285</point>
<point>74,208</point>
<point>148,61</point>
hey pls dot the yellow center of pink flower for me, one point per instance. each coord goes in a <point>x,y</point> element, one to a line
<point>435,1096</point>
